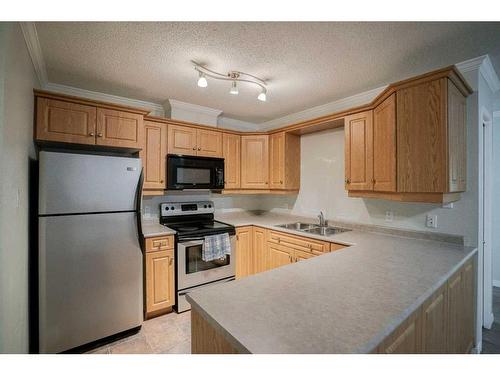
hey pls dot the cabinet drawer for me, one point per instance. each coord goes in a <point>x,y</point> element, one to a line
<point>159,243</point>
<point>299,243</point>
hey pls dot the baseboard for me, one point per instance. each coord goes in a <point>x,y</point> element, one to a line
<point>496,283</point>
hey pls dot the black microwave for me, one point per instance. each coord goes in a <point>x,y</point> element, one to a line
<point>194,172</point>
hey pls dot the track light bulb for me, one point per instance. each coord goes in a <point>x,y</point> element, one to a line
<point>234,89</point>
<point>262,96</point>
<point>202,81</point>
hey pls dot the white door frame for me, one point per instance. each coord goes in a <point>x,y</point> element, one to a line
<point>485,227</point>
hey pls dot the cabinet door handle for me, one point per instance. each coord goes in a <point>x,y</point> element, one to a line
<point>347,181</point>
<point>91,134</point>
<point>99,135</point>
<point>194,148</point>
<point>161,181</point>
<point>199,148</point>
<point>170,261</point>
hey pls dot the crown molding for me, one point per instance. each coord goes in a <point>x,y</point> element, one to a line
<point>194,108</point>
<point>322,110</point>
<point>35,50</point>
<point>156,109</point>
<point>234,124</point>
<point>483,65</point>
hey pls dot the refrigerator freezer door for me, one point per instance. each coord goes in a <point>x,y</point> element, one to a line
<point>90,278</point>
<point>79,183</point>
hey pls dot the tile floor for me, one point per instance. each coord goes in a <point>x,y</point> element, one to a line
<point>166,334</point>
<point>491,337</point>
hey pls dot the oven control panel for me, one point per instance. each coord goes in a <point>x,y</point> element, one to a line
<point>186,208</point>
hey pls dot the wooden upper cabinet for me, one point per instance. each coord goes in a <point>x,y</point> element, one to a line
<point>185,140</point>
<point>119,129</point>
<point>232,160</point>
<point>277,160</point>
<point>422,140</point>
<point>154,154</point>
<point>181,140</point>
<point>284,161</point>
<point>457,140</point>
<point>61,121</point>
<point>209,143</point>
<point>254,162</point>
<point>384,145</point>
<point>359,151</point>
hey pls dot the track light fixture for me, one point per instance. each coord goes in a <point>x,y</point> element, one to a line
<point>234,76</point>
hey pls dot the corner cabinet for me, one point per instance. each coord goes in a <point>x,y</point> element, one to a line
<point>255,162</point>
<point>411,146</point>
<point>76,121</point>
<point>284,161</point>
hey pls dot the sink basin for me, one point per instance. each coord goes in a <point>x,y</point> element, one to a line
<point>326,231</point>
<point>298,226</point>
<point>313,229</point>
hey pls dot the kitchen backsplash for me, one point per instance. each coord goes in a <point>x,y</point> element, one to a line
<point>151,205</point>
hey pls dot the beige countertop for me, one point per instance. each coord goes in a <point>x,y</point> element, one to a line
<point>153,228</point>
<point>347,301</point>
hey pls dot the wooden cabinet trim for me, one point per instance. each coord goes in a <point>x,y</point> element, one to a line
<point>159,243</point>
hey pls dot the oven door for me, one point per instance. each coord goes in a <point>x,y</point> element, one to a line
<point>193,271</point>
<point>193,172</point>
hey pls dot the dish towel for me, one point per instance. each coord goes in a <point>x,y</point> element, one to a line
<point>216,247</point>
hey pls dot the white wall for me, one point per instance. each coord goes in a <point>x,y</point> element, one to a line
<point>17,80</point>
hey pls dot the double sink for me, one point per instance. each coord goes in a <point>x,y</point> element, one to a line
<point>313,229</point>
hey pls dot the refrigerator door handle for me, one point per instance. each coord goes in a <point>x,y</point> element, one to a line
<point>138,202</point>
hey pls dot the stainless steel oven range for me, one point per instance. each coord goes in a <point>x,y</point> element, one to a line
<point>193,221</point>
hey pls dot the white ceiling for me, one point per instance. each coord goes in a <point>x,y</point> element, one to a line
<point>307,64</point>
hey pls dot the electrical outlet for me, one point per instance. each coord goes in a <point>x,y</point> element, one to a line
<point>389,216</point>
<point>431,221</point>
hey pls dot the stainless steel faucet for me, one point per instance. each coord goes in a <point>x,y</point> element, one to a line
<point>322,221</point>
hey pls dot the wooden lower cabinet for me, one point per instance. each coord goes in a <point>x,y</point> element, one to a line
<point>260,253</point>
<point>435,322</point>
<point>160,275</point>
<point>443,324</point>
<point>259,249</point>
<point>279,255</point>
<point>405,339</point>
<point>244,251</point>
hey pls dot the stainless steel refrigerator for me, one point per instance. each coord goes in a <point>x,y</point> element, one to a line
<point>90,260</point>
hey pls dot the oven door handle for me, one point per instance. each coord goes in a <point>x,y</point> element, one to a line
<point>201,241</point>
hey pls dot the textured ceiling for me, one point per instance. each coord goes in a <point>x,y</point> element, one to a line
<point>307,64</point>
